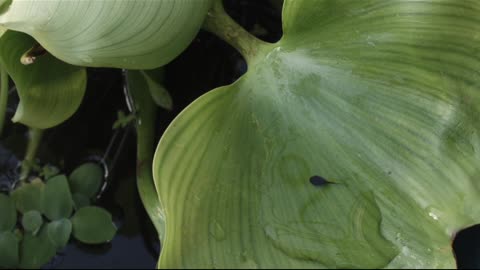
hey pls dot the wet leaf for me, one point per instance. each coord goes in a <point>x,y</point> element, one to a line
<point>380,97</point>
<point>140,34</point>
<point>57,200</point>
<point>8,214</point>
<point>93,225</point>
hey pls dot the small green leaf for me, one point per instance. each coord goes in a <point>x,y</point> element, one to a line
<point>93,225</point>
<point>123,120</point>
<point>28,197</point>
<point>8,215</point>
<point>86,179</point>
<point>32,221</point>
<point>49,171</point>
<point>59,232</point>
<point>80,201</point>
<point>9,250</point>
<point>154,82</point>
<point>35,251</point>
<point>57,202</point>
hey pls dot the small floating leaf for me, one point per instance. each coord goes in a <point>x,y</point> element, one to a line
<point>57,201</point>
<point>93,225</point>
<point>32,221</point>
<point>86,179</point>
<point>9,250</point>
<point>59,232</point>
<point>8,214</point>
<point>29,197</point>
<point>35,251</point>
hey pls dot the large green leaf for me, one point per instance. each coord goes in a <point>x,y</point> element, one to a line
<point>352,142</point>
<point>138,34</point>
<point>50,91</point>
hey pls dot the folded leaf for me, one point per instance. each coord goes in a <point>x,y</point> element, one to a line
<point>140,34</point>
<point>50,91</point>
<point>380,99</point>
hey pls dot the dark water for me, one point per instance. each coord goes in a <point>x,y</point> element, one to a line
<point>206,64</point>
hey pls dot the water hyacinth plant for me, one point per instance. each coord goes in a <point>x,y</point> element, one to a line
<point>352,142</point>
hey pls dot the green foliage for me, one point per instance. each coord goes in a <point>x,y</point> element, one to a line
<point>50,91</point>
<point>35,243</point>
<point>124,34</point>
<point>29,196</point>
<point>86,180</point>
<point>351,142</point>
<point>93,225</point>
<point>59,232</point>
<point>32,221</point>
<point>57,202</point>
<point>9,245</point>
<point>8,215</point>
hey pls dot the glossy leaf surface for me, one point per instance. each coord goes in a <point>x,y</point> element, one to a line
<point>140,34</point>
<point>379,98</point>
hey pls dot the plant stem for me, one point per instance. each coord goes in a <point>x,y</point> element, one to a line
<point>3,97</point>
<point>145,111</point>
<point>32,148</point>
<point>222,25</point>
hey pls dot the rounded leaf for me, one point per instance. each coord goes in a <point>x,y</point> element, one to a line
<point>50,90</point>
<point>32,221</point>
<point>87,179</point>
<point>59,232</point>
<point>9,246</point>
<point>380,99</point>
<point>8,214</point>
<point>36,250</point>
<point>140,34</point>
<point>57,202</point>
<point>29,197</point>
<point>93,225</point>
